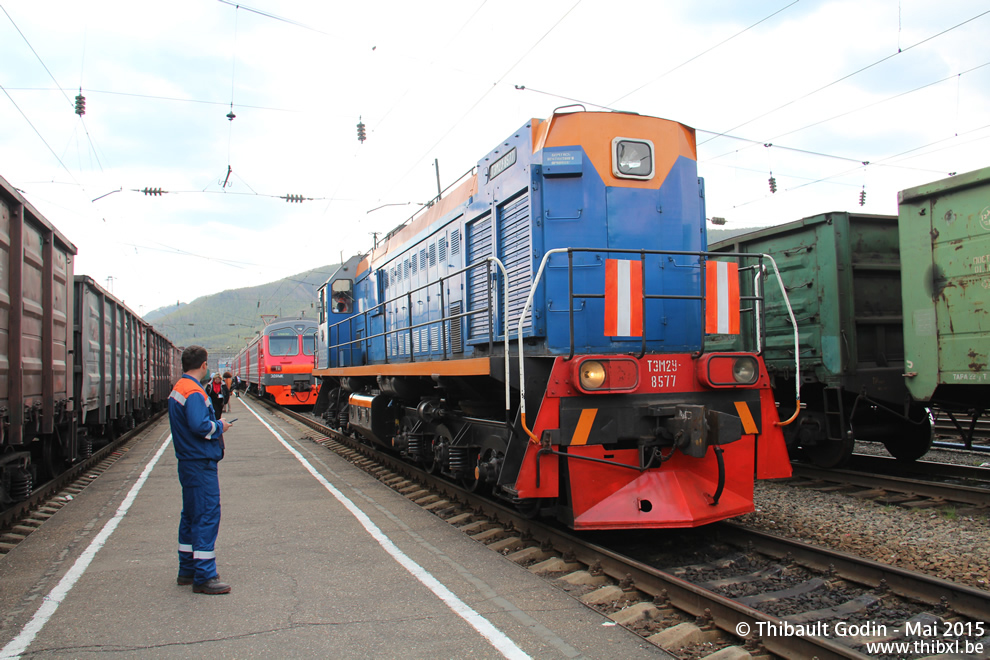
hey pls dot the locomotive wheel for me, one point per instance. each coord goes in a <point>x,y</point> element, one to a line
<point>911,441</point>
<point>528,508</point>
<point>474,483</point>
<point>438,449</point>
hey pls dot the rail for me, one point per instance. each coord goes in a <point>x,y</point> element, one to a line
<point>684,594</point>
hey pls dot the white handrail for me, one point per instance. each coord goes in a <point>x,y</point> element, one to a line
<point>529,302</point>
<point>505,320</point>
<point>797,343</point>
<point>519,333</point>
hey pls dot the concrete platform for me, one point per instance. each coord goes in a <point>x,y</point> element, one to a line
<point>357,573</point>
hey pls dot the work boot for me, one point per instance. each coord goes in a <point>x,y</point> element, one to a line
<point>213,587</point>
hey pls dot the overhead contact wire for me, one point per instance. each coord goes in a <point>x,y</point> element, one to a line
<point>846,77</point>
<point>702,53</point>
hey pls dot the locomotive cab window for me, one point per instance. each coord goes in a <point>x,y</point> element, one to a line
<point>342,296</point>
<point>283,342</point>
<point>632,159</point>
<point>309,342</point>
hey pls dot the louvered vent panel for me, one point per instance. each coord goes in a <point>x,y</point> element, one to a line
<point>515,251</point>
<point>479,248</point>
<point>455,335</point>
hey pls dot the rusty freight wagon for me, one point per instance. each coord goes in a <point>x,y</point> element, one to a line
<point>945,236</point>
<point>36,407</point>
<point>843,276</point>
<point>121,363</point>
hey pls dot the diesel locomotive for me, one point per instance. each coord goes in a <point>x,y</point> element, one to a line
<point>539,332</point>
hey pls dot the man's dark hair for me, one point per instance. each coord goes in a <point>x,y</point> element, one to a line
<point>193,357</point>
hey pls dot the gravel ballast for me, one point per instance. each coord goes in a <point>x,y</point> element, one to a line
<point>938,541</point>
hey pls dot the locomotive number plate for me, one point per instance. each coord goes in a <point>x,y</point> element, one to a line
<point>665,373</point>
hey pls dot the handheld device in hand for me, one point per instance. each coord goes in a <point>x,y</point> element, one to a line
<point>231,421</point>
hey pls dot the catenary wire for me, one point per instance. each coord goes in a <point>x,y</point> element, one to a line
<point>703,53</point>
<point>844,114</point>
<point>847,76</point>
<point>483,97</point>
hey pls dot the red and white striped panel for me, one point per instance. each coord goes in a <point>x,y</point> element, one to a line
<point>623,298</point>
<point>722,304</point>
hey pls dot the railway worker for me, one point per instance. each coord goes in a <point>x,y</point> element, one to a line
<point>197,436</point>
<point>237,386</point>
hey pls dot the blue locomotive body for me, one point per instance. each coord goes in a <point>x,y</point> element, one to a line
<point>580,239</point>
<point>540,200</point>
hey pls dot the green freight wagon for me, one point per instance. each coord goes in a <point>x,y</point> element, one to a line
<point>842,272</point>
<point>945,236</point>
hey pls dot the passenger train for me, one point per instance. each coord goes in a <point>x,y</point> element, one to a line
<point>540,332</point>
<point>278,363</point>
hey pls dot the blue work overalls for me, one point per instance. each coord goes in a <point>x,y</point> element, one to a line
<point>197,437</point>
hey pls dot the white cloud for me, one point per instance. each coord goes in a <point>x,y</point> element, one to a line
<point>415,72</point>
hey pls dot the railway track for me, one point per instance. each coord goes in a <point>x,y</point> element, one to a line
<point>22,518</point>
<point>750,591</point>
<point>914,484</point>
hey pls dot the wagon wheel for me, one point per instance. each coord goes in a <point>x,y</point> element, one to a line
<point>830,453</point>
<point>910,440</point>
<point>48,457</point>
<point>814,445</point>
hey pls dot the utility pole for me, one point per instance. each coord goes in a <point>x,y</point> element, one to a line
<point>436,166</point>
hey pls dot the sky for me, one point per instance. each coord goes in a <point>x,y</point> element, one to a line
<point>851,96</point>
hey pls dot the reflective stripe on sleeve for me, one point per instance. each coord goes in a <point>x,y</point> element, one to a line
<point>178,397</point>
<point>185,548</point>
<point>209,436</point>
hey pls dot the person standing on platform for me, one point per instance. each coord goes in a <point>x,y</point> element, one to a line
<point>197,436</point>
<point>218,394</point>
<point>228,380</point>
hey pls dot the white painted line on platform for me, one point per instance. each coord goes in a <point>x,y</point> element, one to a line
<point>495,637</point>
<point>19,644</point>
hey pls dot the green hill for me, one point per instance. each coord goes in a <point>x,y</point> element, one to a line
<point>224,322</point>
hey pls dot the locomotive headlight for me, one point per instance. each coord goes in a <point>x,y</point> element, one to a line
<point>744,370</point>
<point>728,370</point>
<point>592,374</point>
<point>632,159</point>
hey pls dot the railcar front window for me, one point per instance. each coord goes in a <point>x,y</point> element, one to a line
<point>283,343</point>
<point>309,342</point>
